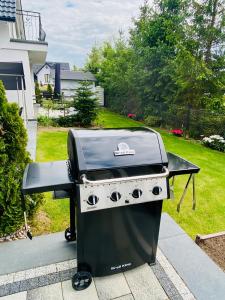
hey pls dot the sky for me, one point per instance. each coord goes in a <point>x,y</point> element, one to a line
<point>74,26</point>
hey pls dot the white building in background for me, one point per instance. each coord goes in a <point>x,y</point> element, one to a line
<point>70,80</point>
<point>22,44</point>
<point>45,73</point>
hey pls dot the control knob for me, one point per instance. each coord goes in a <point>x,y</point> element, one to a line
<point>137,193</point>
<point>92,200</point>
<point>115,196</point>
<point>156,190</point>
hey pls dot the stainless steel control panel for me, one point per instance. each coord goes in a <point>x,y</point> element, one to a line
<point>115,194</point>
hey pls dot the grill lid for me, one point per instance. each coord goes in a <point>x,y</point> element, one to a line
<point>97,149</point>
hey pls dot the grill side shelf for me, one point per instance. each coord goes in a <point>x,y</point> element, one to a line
<point>179,166</point>
<point>45,177</point>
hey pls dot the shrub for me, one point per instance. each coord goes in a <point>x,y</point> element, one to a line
<point>38,93</point>
<point>85,103</point>
<point>207,124</point>
<point>13,160</point>
<point>177,132</point>
<point>48,104</point>
<point>152,121</point>
<point>67,121</point>
<point>49,89</point>
<point>215,142</point>
<point>46,121</point>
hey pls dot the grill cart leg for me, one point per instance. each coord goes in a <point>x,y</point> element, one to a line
<point>184,193</point>
<point>70,233</point>
<point>172,188</point>
<point>194,194</point>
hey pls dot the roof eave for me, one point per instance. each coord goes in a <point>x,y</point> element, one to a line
<point>8,19</point>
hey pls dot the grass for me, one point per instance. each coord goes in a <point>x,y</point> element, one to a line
<point>210,182</point>
<point>108,119</point>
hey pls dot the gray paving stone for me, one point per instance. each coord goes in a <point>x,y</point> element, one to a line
<point>65,265</point>
<point>70,294</point>
<point>169,227</point>
<point>29,284</point>
<point>19,276</point>
<point>168,269</point>
<point>18,296</point>
<point>166,282</point>
<point>15,288</point>
<point>53,278</point>
<point>110,287</point>
<point>41,251</point>
<point>144,285</point>
<point>4,279</point>
<point>50,292</point>
<point>42,281</point>
<point>201,275</point>
<point>4,290</point>
<point>67,274</point>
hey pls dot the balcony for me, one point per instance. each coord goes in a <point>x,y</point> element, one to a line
<point>28,27</point>
<point>27,34</point>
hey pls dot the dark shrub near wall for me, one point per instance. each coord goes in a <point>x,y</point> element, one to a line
<point>13,160</point>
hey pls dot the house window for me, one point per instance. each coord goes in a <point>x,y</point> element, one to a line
<point>46,78</point>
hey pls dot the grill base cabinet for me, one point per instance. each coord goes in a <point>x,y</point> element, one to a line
<point>117,180</point>
<point>119,239</point>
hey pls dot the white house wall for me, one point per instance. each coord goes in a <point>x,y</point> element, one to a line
<point>10,55</point>
<point>68,87</point>
<point>100,95</point>
<point>41,75</point>
<point>28,53</point>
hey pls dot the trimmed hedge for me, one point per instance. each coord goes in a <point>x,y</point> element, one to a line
<point>13,160</point>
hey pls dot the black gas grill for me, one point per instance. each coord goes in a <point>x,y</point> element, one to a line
<point>116,180</point>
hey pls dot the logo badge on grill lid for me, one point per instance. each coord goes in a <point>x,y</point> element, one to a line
<point>123,149</point>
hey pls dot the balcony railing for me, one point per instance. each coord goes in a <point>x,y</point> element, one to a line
<point>28,27</point>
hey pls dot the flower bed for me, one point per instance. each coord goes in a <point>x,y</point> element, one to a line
<point>215,142</point>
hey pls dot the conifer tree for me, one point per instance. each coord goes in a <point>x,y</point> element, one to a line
<point>85,103</point>
<point>13,160</point>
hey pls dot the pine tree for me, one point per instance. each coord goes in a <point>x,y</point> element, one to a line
<point>13,160</point>
<point>85,103</point>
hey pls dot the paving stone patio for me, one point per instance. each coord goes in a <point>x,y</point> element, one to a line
<point>54,282</point>
<point>42,269</point>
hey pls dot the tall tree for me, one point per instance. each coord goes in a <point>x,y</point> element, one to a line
<point>154,38</point>
<point>113,64</point>
<point>209,27</point>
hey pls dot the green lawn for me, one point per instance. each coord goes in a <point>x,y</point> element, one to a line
<point>210,212</point>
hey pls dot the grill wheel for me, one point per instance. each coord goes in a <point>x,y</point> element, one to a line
<point>68,235</point>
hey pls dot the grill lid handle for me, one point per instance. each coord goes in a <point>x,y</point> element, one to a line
<point>84,179</point>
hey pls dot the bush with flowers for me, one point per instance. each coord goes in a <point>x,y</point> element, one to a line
<point>215,142</point>
<point>177,132</point>
<point>131,116</point>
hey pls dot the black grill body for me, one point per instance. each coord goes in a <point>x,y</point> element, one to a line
<point>121,235</point>
<point>116,180</point>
